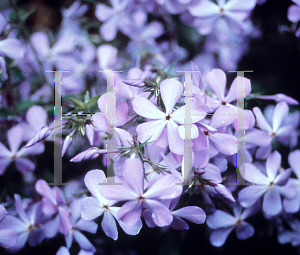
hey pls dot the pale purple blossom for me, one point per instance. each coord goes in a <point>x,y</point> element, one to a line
<point>271,185</point>
<point>133,191</point>
<point>224,223</point>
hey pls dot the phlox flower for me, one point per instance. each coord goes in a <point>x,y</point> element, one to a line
<point>78,225</point>
<point>165,125</point>
<point>115,18</point>
<point>160,188</point>
<point>269,185</point>
<point>95,206</point>
<point>120,118</point>
<point>27,226</point>
<point>223,224</point>
<point>216,79</point>
<point>15,137</point>
<point>277,130</point>
<point>54,207</point>
<point>208,13</point>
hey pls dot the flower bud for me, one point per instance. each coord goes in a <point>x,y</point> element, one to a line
<point>89,154</point>
<point>43,133</point>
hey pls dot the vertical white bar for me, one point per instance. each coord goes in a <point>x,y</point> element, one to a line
<point>240,132</point>
<point>58,130</point>
<point>110,119</point>
<point>187,164</point>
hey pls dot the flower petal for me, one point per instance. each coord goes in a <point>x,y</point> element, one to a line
<point>109,225</point>
<point>232,94</point>
<point>219,236</point>
<point>254,175</point>
<point>272,202</point>
<point>273,164</point>
<point>145,108</point>
<point>249,195</point>
<point>150,130</point>
<point>12,48</point>
<point>279,114</point>
<point>91,208</point>
<point>130,212</point>
<point>171,90</point>
<point>244,231</point>
<point>15,138</point>
<point>261,120</point>
<point>216,79</point>
<point>161,215</point>
<point>192,213</point>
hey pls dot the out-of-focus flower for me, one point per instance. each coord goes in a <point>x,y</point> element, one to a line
<point>27,226</point>
<point>8,237</point>
<point>224,223</point>
<point>294,14</point>
<point>15,137</point>
<point>208,13</point>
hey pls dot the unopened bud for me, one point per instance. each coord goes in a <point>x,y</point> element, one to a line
<point>89,154</point>
<point>280,98</point>
<point>43,133</point>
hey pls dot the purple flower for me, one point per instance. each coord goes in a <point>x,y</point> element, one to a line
<point>224,223</point>
<point>120,118</point>
<point>271,185</point>
<point>114,18</point>
<point>216,79</point>
<point>55,208</point>
<point>93,207</point>
<point>208,13</point>
<point>15,137</point>
<point>277,130</point>
<point>171,91</point>
<point>27,226</point>
<point>133,190</point>
<point>78,225</point>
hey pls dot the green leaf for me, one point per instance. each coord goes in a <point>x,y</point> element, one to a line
<point>92,103</point>
<point>24,105</point>
<point>78,104</point>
